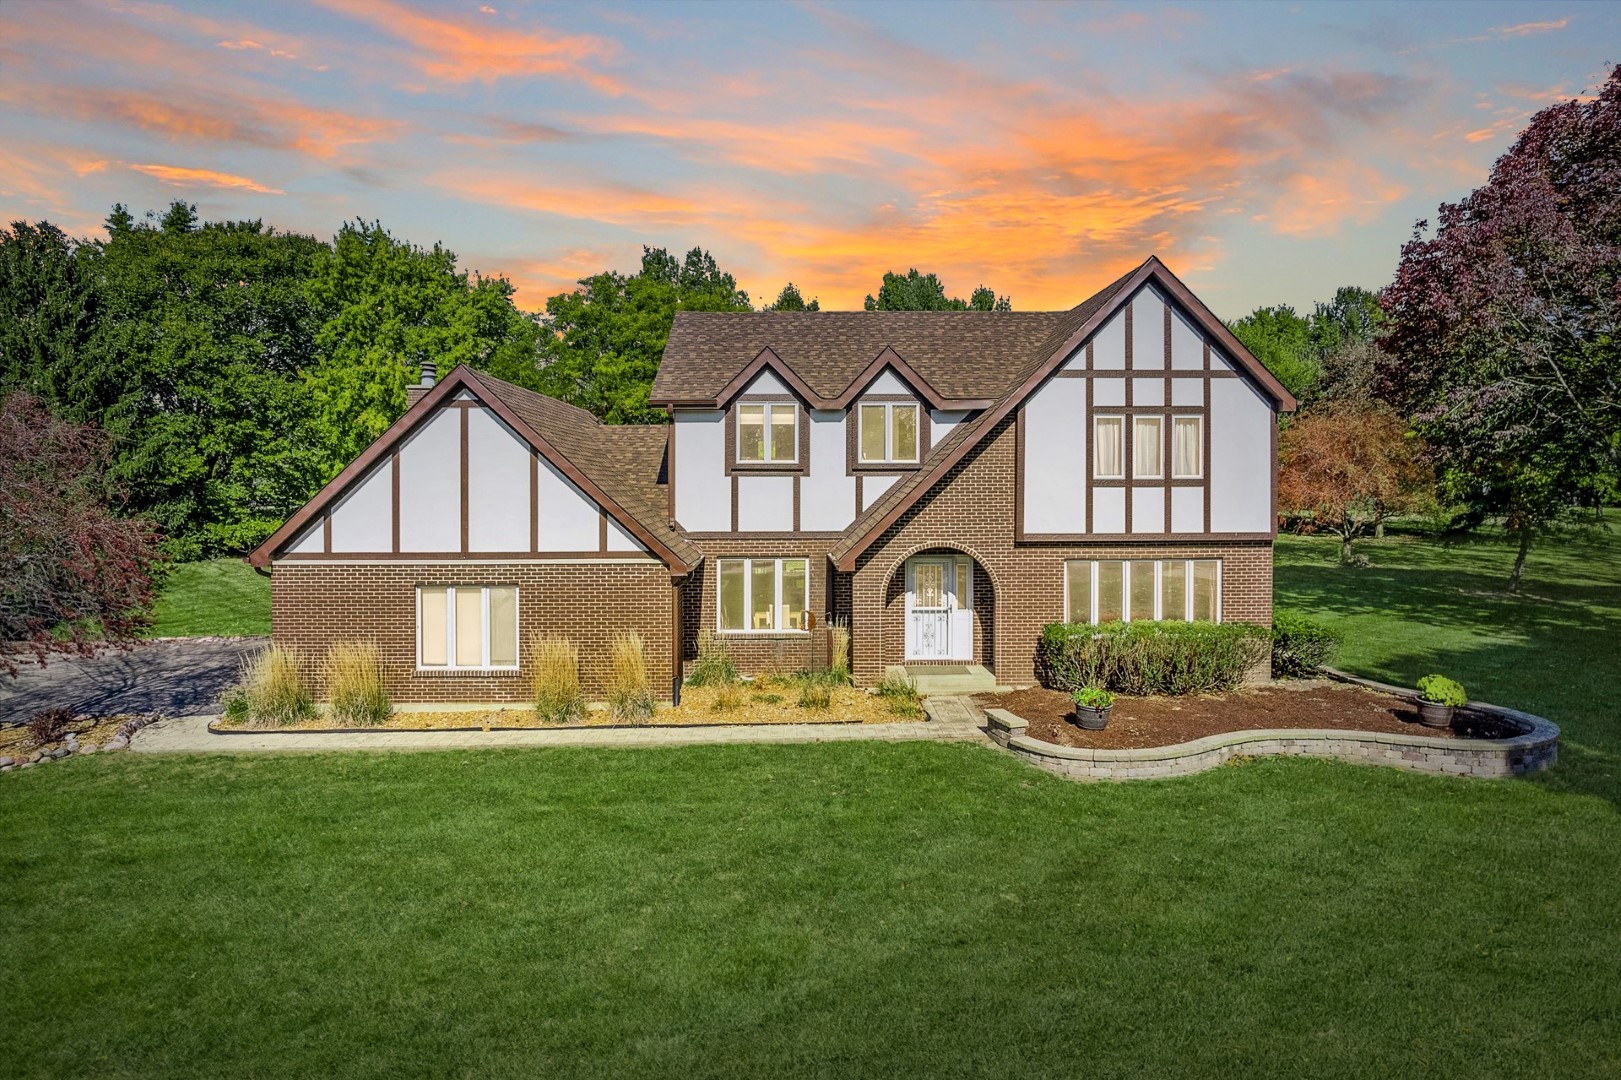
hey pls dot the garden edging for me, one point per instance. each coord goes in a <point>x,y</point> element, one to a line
<point>1535,747</point>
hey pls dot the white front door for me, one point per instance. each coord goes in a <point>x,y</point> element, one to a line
<point>939,608</point>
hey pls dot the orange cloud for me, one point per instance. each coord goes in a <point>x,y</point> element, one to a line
<point>453,51</point>
<point>1319,204</point>
<point>1522,29</point>
<point>179,176</point>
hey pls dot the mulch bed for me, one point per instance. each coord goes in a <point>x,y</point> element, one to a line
<point>1165,721</point>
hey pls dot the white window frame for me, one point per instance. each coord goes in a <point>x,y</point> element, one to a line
<point>1175,420</point>
<point>484,624</point>
<point>889,408</point>
<point>1159,588</point>
<point>1158,420</point>
<point>1097,473</point>
<point>748,595</point>
<point>768,408</point>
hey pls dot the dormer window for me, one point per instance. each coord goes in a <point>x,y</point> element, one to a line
<point>768,432</point>
<point>889,433</point>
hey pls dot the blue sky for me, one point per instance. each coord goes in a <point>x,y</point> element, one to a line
<point>1267,153</point>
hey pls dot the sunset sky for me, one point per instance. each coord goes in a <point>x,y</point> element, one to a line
<point>1267,153</point>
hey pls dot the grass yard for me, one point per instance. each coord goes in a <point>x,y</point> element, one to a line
<point>857,909</point>
<point>219,597</point>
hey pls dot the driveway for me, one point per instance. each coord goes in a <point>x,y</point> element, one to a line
<point>178,676</point>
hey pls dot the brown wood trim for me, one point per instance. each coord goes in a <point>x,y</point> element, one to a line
<point>394,484</point>
<point>734,503</point>
<point>1090,434</point>
<point>669,467</point>
<point>602,531</point>
<point>773,537</point>
<point>1129,424</point>
<point>889,358</point>
<point>1215,539</point>
<point>1187,482</point>
<point>461,556</point>
<point>326,531</point>
<point>764,359</point>
<point>1274,478</point>
<point>767,357</point>
<point>1170,419</point>
<point>465,502</point>
<point>1208,443</point>
<point>859,507</point>
<point>1121,373</point>
<point>796,502</point>
<point>534,501</point>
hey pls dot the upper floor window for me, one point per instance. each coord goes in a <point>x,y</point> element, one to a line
<point>768,432</point>
<point>889,433</point>
<point>467,626</point>
<point>1187,447</point>
<point>1109,447</point>
<point>1147,447</point>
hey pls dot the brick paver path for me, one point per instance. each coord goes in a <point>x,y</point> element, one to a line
<point>951,718</point>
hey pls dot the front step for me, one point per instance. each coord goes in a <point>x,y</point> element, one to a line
<point>945,679</point>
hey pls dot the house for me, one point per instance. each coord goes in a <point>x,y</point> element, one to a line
<point>944,483</point>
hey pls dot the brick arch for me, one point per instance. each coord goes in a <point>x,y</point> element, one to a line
<point>891,592</point>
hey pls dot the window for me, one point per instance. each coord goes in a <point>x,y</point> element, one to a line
<point>762,595</point>
<point>768,432</point>
<point>1108,448</point>
<point>888,433</point>
<point>1147,450</point>
<point>1187,449</point>
<point>467,626</point>
<point>1111,590</point>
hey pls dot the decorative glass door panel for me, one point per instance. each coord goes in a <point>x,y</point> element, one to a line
<point>938,599</point>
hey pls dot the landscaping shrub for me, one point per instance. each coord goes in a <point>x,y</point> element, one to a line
<point>49,725</point>
<point>727,698</point>
<point>1150,657</point>
<point>815,695</point>
<point>554,673</point>
<point>899,691</point>
<point>354,684</point>
<point>270,692</point>
<point>839,650</point>
<point>1440,690</point>
<point>1300,645</point>
<point>629,698</point>
<point>714,665</point>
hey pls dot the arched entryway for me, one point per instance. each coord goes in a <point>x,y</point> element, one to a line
<point>939,608</point>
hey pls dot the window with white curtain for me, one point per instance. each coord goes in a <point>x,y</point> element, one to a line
<point>1147,448</point>
<point>1111,590</point>
<point>467,627</point>
<point>1187,447</point>
<point>1109,447</point>
<point>768,432</point>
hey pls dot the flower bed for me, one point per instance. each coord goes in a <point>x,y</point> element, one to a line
<point>1489,740</point>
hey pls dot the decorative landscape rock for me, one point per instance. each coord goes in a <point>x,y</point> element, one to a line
<point>5,761</point>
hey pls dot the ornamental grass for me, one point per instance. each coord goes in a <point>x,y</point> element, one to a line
<point>554,667</point>
<point>629,698</point>
<point>270,691</point>
<point>354,685</point>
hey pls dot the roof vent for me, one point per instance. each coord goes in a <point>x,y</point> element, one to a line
<point>430,375</point>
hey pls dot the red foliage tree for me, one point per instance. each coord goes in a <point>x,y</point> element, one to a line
<point>1349,466</point>
<point>72,572</point>
<point>1503,332</point>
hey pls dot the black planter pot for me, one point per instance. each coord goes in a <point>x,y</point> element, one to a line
<point>1433,715</point>
<point>1091,719</point>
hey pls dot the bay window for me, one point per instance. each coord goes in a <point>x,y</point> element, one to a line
<point>889,433</point>
<point>467,627</point>
<point>1112,590</point>
<point>768,432</point>
<point>762,595</point>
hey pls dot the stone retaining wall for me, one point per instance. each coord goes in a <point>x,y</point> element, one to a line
<point>1535,747</point>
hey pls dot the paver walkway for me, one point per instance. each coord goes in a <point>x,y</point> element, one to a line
<point>951,718</point>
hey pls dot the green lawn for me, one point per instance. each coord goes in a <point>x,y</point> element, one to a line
<point>220,597</point>
<point>855,910</point>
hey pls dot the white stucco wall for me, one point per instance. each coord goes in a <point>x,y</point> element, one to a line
<point>703,491</point>
<point>1109,510</point>
<point>497,486</point>
<point>941,421</point>
<point>1109,345</point>
<point>1147,510</point>
<point>1148,330</point>
<point>887,382</point>
<point>1241,458</point>
<point>827,497</point>
<point>1055,458</point>
<point>1187,509</point>
<point>765,503</point>
<point>872,487</point>
<point>1187,344</point>
<point>431,485</point>
<point>766,382</point>
<point>363,520</point>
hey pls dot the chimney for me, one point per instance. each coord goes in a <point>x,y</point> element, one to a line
<point>430,375</point>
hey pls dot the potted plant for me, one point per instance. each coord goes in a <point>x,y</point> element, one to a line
<point>1092,707</point>
<point>1438,696</point>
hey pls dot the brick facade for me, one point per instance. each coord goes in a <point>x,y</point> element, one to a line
<point>1019,586</point>
<point>314,604</point>
<point>754,653</point>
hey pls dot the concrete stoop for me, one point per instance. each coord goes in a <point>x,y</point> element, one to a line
<point>941,680</point>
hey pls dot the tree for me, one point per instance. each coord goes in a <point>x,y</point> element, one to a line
<point>924,292</point>
<point>1503,343</point>
<point>607,336</point>
<point>791,300</point>
<point>384,307</point>
<point>1348,466</point>
<point>72,571</point>
<point>1281,340</point>
<point>1344,333</point>
<point>50,310</point>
